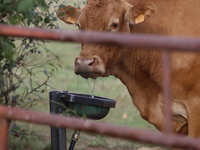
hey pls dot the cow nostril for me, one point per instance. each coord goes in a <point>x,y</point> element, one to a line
<point>77,62</point>
<point>82,63</point>
<point>91,62</point>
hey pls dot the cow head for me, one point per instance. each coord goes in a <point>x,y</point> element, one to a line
<point>103,16</point>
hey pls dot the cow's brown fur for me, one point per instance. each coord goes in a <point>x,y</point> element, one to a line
<point>140,70</point>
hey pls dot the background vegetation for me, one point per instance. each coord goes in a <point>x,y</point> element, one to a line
<point>41,71</point>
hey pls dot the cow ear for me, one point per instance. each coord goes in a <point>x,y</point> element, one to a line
<point>68,14</point>
<point>140,12</point>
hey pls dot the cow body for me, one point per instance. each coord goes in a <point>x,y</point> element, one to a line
<point>139,70</point>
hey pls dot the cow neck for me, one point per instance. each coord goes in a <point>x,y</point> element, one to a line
<point>144,88</point>
<point>139,66</point>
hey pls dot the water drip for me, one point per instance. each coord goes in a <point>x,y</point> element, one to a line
<point>92,89</point>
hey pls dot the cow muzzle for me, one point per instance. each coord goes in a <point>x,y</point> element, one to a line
<point>89,67</point>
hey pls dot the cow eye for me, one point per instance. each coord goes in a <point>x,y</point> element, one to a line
<point>114,26</point>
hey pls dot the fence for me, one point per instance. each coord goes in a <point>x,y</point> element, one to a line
<point>165,44</point>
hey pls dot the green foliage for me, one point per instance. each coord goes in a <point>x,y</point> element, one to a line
<point>21,60</point>
<point>99,141</point>
<point>21,139</point>
<point>26,65</point>
<point>6,49</point>
<point>27,13</point>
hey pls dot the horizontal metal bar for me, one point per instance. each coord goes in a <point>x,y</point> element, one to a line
<point>136,41</point>
<point>132,134</point>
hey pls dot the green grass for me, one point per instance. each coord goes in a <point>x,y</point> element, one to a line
<point>38,137</point>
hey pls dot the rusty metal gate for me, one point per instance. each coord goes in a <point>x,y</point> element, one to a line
<point>165,44</point>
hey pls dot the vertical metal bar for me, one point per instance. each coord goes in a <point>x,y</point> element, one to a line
<point>54,130</point>
<point>167,91</point>
<point>62,139</point>
<point>61,131</point>
<point>4,134</point>
<point>58,135</point>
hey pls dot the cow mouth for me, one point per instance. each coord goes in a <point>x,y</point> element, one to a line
<point>88,67</point>
<point>87,75</point>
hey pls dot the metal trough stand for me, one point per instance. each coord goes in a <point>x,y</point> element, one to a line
<point>90,107</point>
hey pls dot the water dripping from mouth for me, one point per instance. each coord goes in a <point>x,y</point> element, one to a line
<point>92,89</point>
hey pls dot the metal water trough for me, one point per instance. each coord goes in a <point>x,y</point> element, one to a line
<point>78,105</point>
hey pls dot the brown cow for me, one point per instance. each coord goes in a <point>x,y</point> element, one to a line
<point>139,70</point>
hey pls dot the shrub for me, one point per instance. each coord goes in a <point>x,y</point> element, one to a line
<point>21,60</point>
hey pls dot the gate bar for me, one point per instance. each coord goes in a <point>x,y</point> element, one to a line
<point>128,133</point>
<point>4,134</point>
<point>118,39</point>
<point>167,92</point>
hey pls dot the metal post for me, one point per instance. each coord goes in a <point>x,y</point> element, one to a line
<point>58,135</point>
<point>167,91</point>
<point>4,134</point>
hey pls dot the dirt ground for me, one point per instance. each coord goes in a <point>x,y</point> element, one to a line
<point>104,148</point>
<point>96,142</point>
<point>119,148</point>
